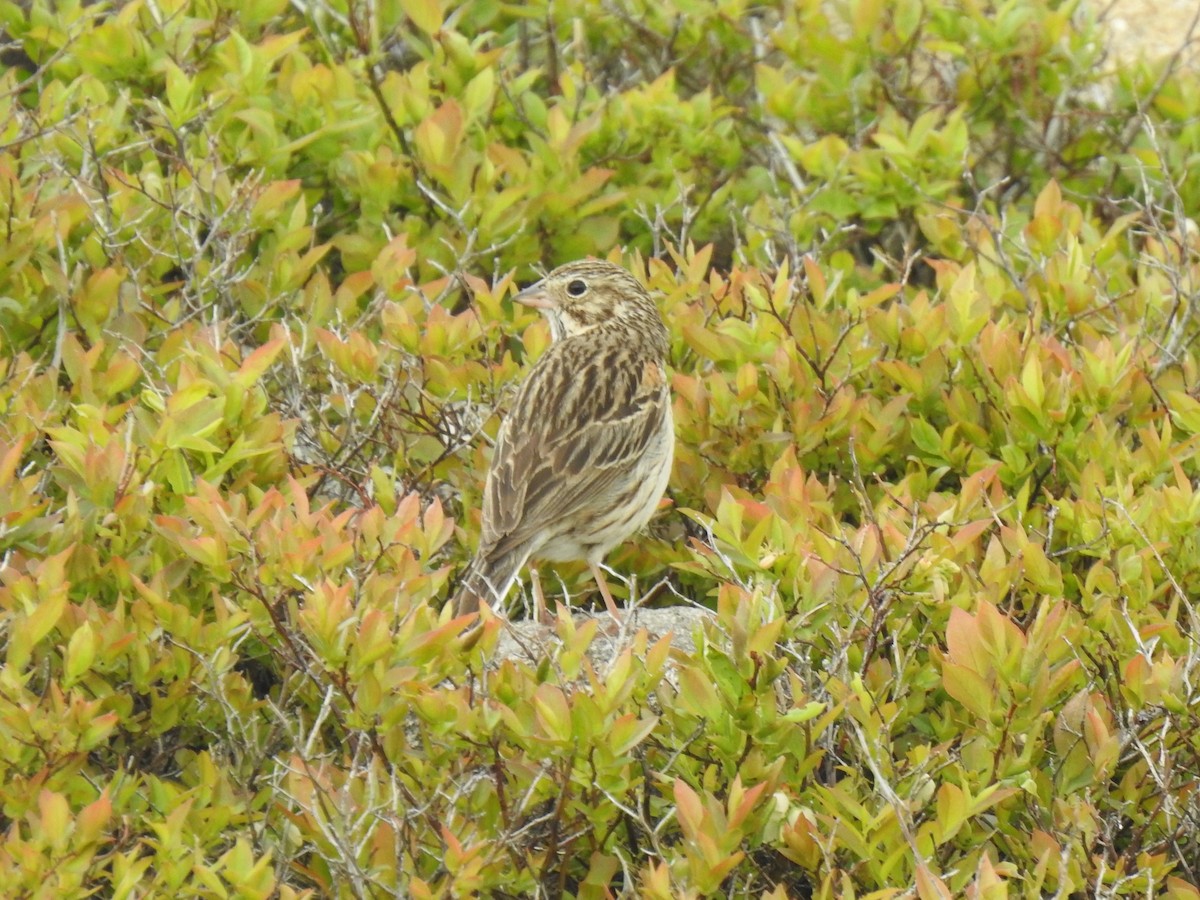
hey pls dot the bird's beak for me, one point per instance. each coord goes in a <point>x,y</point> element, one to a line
<point>535,296</point>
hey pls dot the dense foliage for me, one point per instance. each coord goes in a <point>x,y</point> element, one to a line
<point>931,276</point>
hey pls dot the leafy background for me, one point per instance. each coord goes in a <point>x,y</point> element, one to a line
<point>930,271</point>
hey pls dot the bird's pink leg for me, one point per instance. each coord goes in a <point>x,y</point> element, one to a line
<point>613,609</point>
<point>539,599</point>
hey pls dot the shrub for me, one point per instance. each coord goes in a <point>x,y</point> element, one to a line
<point>929,274</point>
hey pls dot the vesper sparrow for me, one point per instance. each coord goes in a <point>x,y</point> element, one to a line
<point>585,452</point>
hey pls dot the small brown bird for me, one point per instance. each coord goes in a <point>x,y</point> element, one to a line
<point>584,455</point>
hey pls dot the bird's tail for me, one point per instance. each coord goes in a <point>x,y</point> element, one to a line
<point>488,580</point>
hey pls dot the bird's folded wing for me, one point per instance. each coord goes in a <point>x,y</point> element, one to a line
<point>571,434</point>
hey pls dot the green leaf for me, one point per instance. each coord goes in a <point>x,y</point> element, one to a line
<point>425,14</point>
<point>81,651</point>
<point>926,437</point>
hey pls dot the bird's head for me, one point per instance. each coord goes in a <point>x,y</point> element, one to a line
<point>581,296</point>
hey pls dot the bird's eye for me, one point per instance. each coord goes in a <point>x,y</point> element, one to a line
<point>577,288</point>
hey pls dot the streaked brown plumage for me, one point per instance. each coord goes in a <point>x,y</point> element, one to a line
<point>584,455</point>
